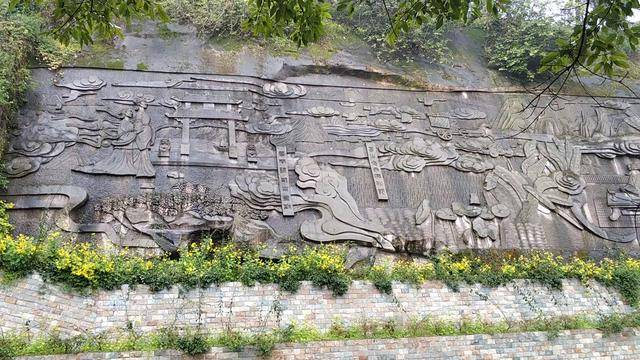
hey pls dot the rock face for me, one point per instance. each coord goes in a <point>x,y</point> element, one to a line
<point>153,160</point>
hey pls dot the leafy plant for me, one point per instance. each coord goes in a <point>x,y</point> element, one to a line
<point>193,343</point>
<point>9,347</point>
<point>517,42</point>
<point>611,324</point>
<point>426,41</point>
<point>79,21</point>
<point>18,36</point>
<point>306,19</point>
<point>83,266</point>
<point>302,21</point>
<point>381,278</point>
<point>210,17</point>
<point>22,41</point>
<point>624,277</point>
<point>265,343</point>
<point>598,42</point>
<point>516,47</point>
<point>323,267</point>
<point>233,340</point>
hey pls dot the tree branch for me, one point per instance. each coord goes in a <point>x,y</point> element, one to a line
<point>566,72</point>
<point>70,18</point>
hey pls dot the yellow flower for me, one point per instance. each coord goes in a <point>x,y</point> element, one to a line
<point>428,268</point>
<point>4,239</point>
<point>24,245</point>
<point>632,264</point>
<point>283,268</point>
<point>109,266</point>
<point>190,269</point>
<point>508,269</point>
<point>462,265</point>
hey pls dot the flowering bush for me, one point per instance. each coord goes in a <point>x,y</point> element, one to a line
<point>83,266</point>
<point>622,273</point>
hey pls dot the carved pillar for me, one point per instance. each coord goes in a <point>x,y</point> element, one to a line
<point>376,171</point>
<point>233,148</point>
<point>283,180</point>
<point>185,143</point>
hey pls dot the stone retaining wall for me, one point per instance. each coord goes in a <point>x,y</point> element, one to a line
<point>575,344</point>
<point>34,305</point>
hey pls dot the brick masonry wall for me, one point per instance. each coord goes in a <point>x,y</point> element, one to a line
<point>36,306</point>
<point>575,344</point>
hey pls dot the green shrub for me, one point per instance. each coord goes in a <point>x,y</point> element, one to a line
<point>322,266</point>
<point>516,46</point>
<point>22,41</point>
<point>370,22</point>
<point>233,341</point>
<point>163,277</point>
<point>193,343</point>
<point>265,343</point>
<point>210,17</point>
<point>517,42</point>
<point>380,276</point>
<point>611,324</point>
<point>18,39</point>
<point>83,266</point>
<point>547,273</point>
<point>627,280</point>
<point>166,339</point>
<point>9,347</point>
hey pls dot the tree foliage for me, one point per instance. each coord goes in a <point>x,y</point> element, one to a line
<point>411,14</point>
<point>427,42</point>
<point>303,20</point>
<point>598,41</point>
<point>22,41</point>
<point>517,40</point>
<point>80,20</point>
<point>210,17</point>
<point>601,30</point>
<point>305,17</point>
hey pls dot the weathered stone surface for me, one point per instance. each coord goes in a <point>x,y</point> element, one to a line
<point>151,160</point>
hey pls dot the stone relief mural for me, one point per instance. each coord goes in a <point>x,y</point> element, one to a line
<point>152,161</point>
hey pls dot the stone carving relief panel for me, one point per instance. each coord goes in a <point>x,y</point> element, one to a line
<point>154,160</point>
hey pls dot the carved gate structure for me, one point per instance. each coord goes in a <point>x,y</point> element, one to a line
<point>151,160</point>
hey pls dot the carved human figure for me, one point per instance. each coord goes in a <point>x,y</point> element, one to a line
<point>169,220</point>
<point>626,199</point>
<point>144,140</point>
<point>130,155</point>
<point>120,161</point>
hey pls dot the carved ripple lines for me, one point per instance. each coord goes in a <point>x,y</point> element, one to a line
<point>91,83</point>
<point>282,90</point>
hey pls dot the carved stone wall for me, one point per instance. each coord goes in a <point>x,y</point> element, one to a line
<point>151,160</point>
